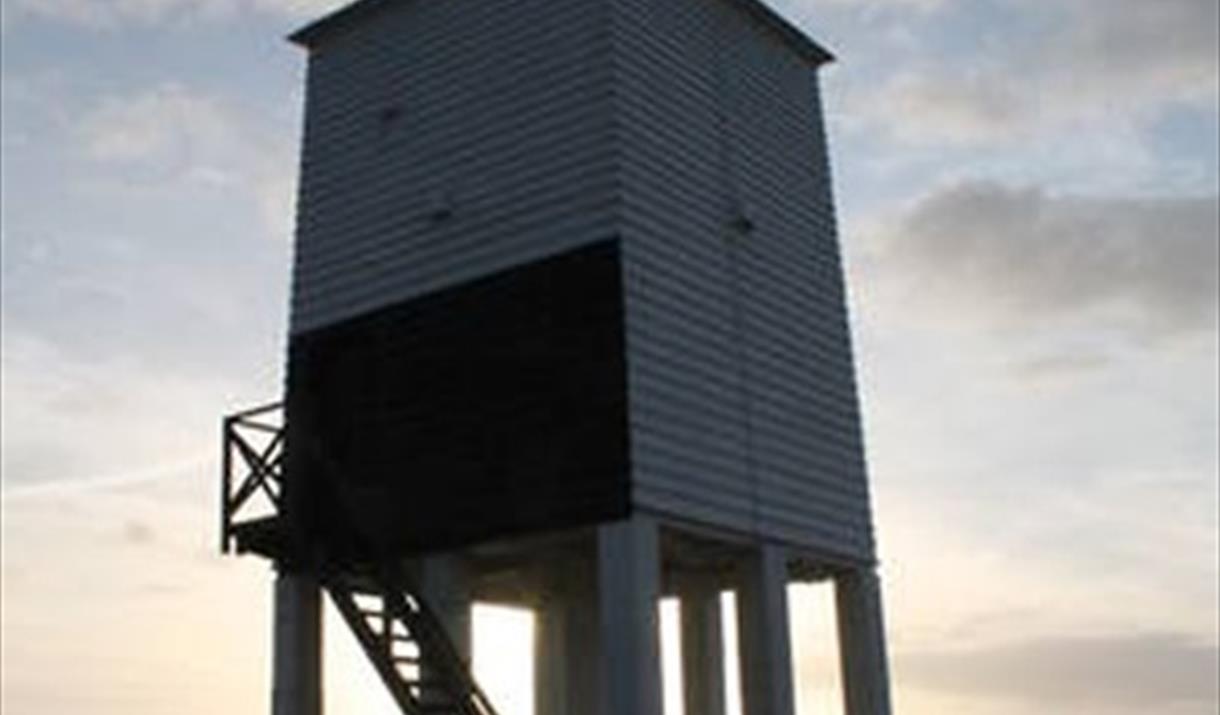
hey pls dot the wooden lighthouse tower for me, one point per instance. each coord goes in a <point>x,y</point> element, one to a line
<point>568,331</point>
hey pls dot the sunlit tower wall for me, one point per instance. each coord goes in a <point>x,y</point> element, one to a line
<point>568,331</point>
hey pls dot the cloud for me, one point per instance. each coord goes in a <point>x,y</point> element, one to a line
<point>84,484</point>
<point>138,533</point>
<point>1053,368</point>
<point>70,419</point>
<point>111,14</point>
<point>157,124</point>
<point>140,298</point>
<point>922,5</point>
<point>170,137</point>
<point>926,106</point>
<point>1068,65</point>
<point>1125,672</point>
<point>1168,48</point>
<point>1022,258</point>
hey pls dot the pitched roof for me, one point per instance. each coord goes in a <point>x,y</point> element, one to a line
<point>315,32</point>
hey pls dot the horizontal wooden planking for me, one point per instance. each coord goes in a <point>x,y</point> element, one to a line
<point>551,139</point>
<point>420,47</point>
<point>468,162</point>
<point>548,127</point>
<point>691,377</point>
<point>471,201</point>
<point>753,327</point>
<point>684,356</point>
<point>653,492</point>
<point>454,264</point>
<point>845,542</point>
<point>700,471</point>
<point>470,223</point>
<point>792,442</point>
<point>568,90</point>
<point>829,501</point>
<point>834,435</point>
<point>688,420</point>
<point>505,109</point>
<point>474,225</point>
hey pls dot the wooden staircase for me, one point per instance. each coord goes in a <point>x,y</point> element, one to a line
<point>406,643</point>
<point>403,638</point>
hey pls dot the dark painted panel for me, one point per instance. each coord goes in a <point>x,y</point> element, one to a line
<point>495,407</point>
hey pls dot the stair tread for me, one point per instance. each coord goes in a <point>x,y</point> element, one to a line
<point>431,681</point>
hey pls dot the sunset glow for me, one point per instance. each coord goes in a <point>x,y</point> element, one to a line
<point>1028,202</point>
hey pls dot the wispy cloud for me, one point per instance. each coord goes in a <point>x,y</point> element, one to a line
<point>111,368</point>
<point>919,107</point>
<point>112,14</point>
<point>83,484</point>
<point>192,138</point>
<point>124,582</point>
<point>1120,673</point>
<point>922,5</point>
<point>159,124</point>
<point>1055,367</point>
<point>69,420</point>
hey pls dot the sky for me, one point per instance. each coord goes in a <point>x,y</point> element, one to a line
<point>1028,198</point>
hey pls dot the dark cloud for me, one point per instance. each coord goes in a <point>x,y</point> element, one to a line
<point>1023,258</point>
<point>1123,672</point>
<point>138,533</point>
<point>1171,43</point>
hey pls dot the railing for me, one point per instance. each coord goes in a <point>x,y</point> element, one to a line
<point>252,469</point>
<point>252,466</point>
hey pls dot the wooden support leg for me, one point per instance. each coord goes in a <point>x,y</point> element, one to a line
<point>444,585</point>
<point>702,648</point>
<point>297,656</point>
<point>629,592</point>
<point>862,643</point>
<point>763,627</point>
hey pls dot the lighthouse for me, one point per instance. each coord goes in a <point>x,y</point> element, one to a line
<point>568,333</point>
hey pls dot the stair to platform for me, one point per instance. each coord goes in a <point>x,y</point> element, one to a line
<point>402,637</point>
<point>406,643</point>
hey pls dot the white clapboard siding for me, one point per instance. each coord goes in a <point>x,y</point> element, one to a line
<point>503,109</point>
<point>545,125</point>
<point>744,410</point>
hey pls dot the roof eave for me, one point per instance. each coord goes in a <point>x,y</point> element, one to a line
<point>310,35</point>
<point>806,45</point>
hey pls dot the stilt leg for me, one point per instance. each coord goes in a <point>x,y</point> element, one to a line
<point>766,648</point>
<point>702,648</point>
<point>629,591</point>
<point>444,585</point>
<point>862,643</point>
<point>297,657</point>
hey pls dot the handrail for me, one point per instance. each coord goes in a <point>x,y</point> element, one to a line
<point>434,636</point>
<point>253,442</point>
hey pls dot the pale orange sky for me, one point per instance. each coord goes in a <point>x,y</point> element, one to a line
<point>123,580</point>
